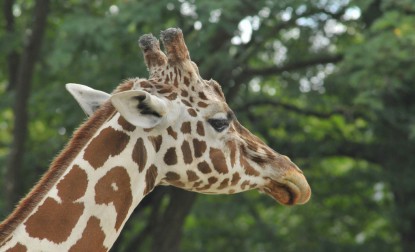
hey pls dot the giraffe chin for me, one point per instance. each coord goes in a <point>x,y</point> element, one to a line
<point>286,193</point>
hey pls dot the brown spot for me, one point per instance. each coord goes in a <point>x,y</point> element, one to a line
<point>212,180</point>
<point>218,160</point>
<point>179,73</point>
<point>200,129</point>
<point>109,142</point>
<point>148,129</point>
<point>140,154</point>
<point>54,221</point>
<point>258,159</point>
<point>232,147</point>
<point>177,184</point>
<point>192,176</point>
<point>17,248</point>
<point>202,104</point>
<point>151,176</point>
<point>186,128</point>
<point>192,112</point>
<point>204,188</point>
<point>156,141</point>
<point>244,184</point>
<point>145,84</point>
<point>172,176</point>
<point>197,184</point>
<point>125,124</point>
<point>73,185</point>
<point>186,81</point>
<point>170,158</point>
<point>199,147</point>
<point>231,191</point>
<point>115,187</point>
<point>176,81</point>
<point>184,93</point>
<point>172,133</point>
<point>92,237</point>
<point>172,96</point>
<point>186,103</point>
<point>249,170</point>
<point>164,89</point>
<point>187,152</point>
<point>223,184</point>
<point>202,96</point>
<point>167,80</point>
<point>235,179</point>
<point>204,167</point>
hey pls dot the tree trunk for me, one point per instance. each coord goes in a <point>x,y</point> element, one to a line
<point>13,56</point>
<point>404,205</point>
<point>408,236</point>
<point>22,91</point>
<point>168,231</point>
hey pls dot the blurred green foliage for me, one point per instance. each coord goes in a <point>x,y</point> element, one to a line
<point>330,83</point>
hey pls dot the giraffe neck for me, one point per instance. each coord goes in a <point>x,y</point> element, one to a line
<point>82,203</point>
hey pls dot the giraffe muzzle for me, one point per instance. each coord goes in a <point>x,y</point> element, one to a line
<point>291,190</point>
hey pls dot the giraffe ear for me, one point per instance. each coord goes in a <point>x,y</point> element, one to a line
<point>89,99</point>
<point>139,107</point>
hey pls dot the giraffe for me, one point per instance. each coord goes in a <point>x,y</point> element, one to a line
<point>173,128</point>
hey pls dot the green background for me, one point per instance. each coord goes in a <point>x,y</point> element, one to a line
<point>330,83</point>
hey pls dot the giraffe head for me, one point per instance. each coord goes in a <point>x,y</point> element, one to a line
<point>198,144</point>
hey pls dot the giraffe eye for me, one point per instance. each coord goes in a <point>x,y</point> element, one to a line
<point>219,124</point>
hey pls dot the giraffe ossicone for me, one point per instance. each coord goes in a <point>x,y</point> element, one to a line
<point>174,128</point>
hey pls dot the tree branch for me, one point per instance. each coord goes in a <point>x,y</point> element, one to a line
<point>249,73</point>
<point>274,70</point>
<point>348,113</point>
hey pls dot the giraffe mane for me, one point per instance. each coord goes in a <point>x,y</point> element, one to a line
<point>60,164</point>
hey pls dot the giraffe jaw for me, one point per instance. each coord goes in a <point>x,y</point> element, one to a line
<point>288,192</point>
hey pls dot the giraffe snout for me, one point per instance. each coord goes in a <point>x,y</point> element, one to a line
<point>298,186</point>
<point>289,187</point>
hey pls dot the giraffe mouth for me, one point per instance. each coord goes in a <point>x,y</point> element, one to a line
<point>288,192</point>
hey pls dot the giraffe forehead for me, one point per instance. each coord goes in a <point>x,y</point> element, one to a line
<point>172,85</point>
